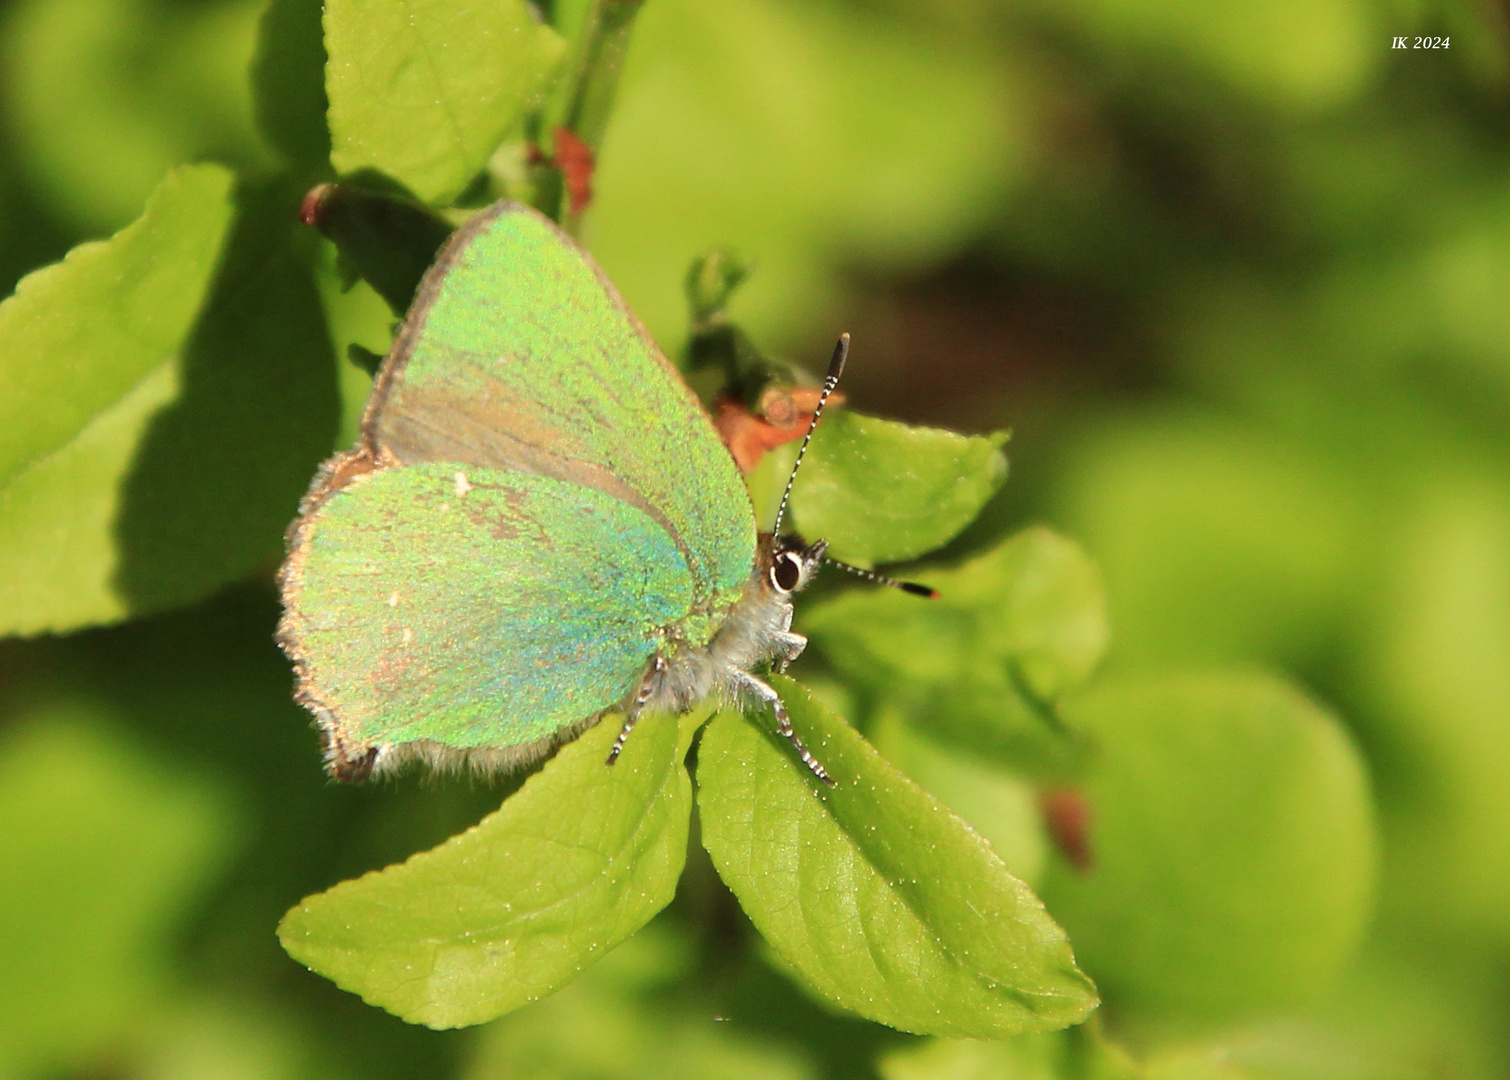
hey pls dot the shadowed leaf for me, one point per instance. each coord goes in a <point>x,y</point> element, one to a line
<point>288,84</point>
<point>170,391</point>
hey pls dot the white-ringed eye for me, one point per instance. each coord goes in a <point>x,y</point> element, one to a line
<point>786,572</point>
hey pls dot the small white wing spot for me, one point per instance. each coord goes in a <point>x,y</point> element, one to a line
<point>393,599</point>
<point>408,635</point>
<point>462,487</point>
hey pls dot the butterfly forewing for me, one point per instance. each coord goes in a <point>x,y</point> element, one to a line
<point>519,354</point>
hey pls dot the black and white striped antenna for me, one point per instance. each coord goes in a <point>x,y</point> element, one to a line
<point>831,380</point>
<point>913,587</point>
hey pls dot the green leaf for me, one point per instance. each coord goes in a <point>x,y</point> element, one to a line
<point>131,301</point>
<point>1232,846</point>
<point>103,853</point>
<point>880,491</point>
<point>425,90</point>
<point>88,358</point>
<point>1011,631</point>
<point>168,395</point>
<point>1000,805</point>
<point>880,898</point>
<point>501,915</point>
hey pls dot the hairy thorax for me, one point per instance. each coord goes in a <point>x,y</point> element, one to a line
<point>756,630</point>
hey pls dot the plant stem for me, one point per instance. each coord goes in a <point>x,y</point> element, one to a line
<point>585,100</point>
<point>600,60</point>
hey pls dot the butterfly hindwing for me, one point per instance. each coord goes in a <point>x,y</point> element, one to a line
<point>475,607</point>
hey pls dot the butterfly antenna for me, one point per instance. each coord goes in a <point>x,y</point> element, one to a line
<point>881,579</point>
<point>831,380</point>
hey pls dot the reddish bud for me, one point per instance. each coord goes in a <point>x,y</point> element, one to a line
<point>575,160</point>
<point>1067,816</point>
<point>785,416</point>
<point>313,203</point>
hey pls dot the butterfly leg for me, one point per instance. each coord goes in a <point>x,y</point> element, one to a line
<point>789,646</point>
<point>749,684</point>
<point>646,691</point>
<point>786,646</point>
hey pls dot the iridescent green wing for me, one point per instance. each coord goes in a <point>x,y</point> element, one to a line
<point>519,354</point>
<point>474,607</point>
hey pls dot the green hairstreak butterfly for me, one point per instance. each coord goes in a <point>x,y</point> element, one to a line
<point>539,525</point>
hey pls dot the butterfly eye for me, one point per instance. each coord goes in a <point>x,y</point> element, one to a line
<point>786,572</point>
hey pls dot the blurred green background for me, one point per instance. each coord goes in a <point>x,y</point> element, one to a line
<point>1239,280</point>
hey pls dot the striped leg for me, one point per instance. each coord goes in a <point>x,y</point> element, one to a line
<point>749,684</point>
<point>642,695</point>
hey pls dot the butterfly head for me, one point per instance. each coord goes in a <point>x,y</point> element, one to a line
<point>792,562</point>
